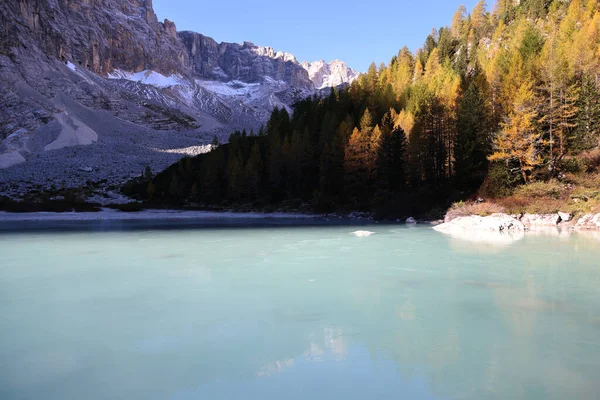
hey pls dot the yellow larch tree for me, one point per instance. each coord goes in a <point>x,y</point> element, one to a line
<point>520,138</point>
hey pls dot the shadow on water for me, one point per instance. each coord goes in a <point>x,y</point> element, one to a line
<point>224,223</point>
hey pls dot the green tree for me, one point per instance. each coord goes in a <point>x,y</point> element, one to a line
<point>587,132</point>
<point>472,142</point>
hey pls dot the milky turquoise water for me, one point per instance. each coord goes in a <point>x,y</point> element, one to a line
<point>297,313</point>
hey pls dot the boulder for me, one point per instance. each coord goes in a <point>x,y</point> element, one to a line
<point>588,221</point>
<point>565,217</point>
<point>494,223</point>
<point>540,220</point>
<point>411,221</point>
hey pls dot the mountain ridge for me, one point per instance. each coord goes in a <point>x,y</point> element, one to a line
<point>71,63</point>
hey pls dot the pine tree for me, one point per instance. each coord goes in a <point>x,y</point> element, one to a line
<point>472,144</point>
<point>587,132</point>
<point>235,174</point>
<point>151,190</point>
<point>253,172</point>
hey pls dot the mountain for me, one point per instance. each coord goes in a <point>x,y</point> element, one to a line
<point>107,73</point>
<point>332,74</point>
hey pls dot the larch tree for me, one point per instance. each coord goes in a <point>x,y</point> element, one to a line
<point>480,19</point>
<point>458,22</point>
<point>356,171</point>
<point>520,138</point>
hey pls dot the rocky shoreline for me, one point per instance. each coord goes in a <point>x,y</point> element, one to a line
<point>505,223</point>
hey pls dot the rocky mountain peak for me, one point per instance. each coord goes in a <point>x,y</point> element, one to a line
<point>271,53</point>
<point>246,62</point>
<point>331,74</point>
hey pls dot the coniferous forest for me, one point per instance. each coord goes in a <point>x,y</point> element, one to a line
<point>502,99</point>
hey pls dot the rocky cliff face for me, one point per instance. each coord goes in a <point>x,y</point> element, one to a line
<point>247,62</point>
<point>332,74</point>
<point>100,35</point>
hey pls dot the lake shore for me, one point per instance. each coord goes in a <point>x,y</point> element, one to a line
<point>500,222</point>
<point>149,215</point>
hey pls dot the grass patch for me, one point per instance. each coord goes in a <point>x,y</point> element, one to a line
<point>552,189</point>
<point>463,209</point>
<point>576,193</point>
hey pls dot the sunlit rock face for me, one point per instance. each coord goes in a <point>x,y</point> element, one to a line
<point>247,62</point>
<point>332,74</point>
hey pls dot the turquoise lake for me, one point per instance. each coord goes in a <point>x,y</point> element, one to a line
<point>305,312</point>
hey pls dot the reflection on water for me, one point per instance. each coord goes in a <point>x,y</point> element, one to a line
<point>298,313</point>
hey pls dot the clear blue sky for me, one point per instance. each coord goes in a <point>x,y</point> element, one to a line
<point>357,33</point>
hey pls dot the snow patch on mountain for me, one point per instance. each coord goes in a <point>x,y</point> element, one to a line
<point>332,74</point>
<point>232,88</point>
<point>148,77</point>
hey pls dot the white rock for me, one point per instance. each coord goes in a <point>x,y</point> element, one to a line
<point>540,220</point>
<point>411,221</point>
<point>363,233</point>
<point>494,223</point>
<point>589,221</point>
<point>565,217</point>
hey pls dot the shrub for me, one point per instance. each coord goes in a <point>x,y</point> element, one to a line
<point>573,165</point>
<point>551,189</point>
<point>501,181</point>
<point>591,159</point>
